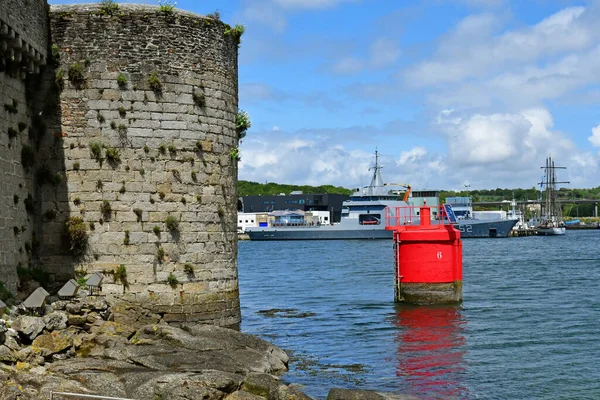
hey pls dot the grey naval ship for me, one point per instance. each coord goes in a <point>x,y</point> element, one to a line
<point>363,217</point>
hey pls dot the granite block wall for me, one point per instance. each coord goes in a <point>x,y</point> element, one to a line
<point>23,49</point>
<point>133,129</point>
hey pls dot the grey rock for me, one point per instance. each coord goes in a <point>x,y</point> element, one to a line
<point>353,394</point>
<point>74,308</point>
<point>7,355</point>
<point>241,395</point>
<point>3,327</point>
<point>263,385</point>
<point>292,393</point>
<point>55,321</point>
<point>29,326</point>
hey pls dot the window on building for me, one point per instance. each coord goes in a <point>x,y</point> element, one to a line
<point>369,219</point>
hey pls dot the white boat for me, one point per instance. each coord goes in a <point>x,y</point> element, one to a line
<point>552,223</point>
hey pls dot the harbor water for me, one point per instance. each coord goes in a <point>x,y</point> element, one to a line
<point>528,328</point>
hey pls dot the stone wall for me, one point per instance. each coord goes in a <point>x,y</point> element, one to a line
<point>158,97</point>
<point>23,48</point>
<point>132,123</point>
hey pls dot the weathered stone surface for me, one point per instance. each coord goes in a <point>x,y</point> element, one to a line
<point>242,395</point>
<point>7,355</point>
<point>263,385</point>
<point>291,393</point>
<point>29,326</point>
<point>54,342</point>
<point>55,320</point>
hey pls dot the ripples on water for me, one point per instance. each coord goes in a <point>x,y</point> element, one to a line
<point>529,326</point>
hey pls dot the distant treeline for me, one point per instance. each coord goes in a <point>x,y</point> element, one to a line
<point>523,194</point>
<point>246,188</point>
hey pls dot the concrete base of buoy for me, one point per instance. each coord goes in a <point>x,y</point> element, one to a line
<point>429,293</point>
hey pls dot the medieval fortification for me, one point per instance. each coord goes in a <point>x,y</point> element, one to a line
<point>118,154</point>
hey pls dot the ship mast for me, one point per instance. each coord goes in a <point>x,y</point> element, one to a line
<point>551,206</point>
<point>376,180</point>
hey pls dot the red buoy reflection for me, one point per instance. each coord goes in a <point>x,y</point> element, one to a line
<point>431,346</point>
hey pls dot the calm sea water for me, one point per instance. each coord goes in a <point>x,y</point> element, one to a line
<point>529,326</point>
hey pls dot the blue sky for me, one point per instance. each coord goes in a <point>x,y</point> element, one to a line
<point>476,91</point>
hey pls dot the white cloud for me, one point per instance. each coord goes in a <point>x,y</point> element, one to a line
<point>275,128</point>
<point>347,66</point>
<point>383,53</point>
<point>415,154</point>
<point>471,50</point>
<point>595,138</point>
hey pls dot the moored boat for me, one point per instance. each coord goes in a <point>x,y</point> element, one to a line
<point>552,222</point>
<point>363,217</point>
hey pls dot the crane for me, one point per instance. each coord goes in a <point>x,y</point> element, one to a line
<point>402,185</point>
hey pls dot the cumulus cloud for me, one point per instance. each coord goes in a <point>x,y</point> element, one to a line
<point>595,138</point>
<point>415,154</point>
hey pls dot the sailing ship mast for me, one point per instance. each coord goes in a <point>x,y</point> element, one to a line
<point>552,211</point>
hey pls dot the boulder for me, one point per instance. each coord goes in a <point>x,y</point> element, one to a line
<point>241,395</point>
<point>74,308</point>
<point>7,355</point>
<point>353,394</point>
<point>3,327</point>
<point>55,321</point>
<point>29,326</point>
<point>263,385</point>
<point>292,393</point>
<point>77,320</point>
<point>53,342</point>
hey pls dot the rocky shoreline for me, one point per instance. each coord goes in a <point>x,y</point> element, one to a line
<point>89,345</point>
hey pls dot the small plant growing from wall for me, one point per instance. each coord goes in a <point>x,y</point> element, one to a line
<point>108,7</point>
<point>77,201</point>
<point>76,166</point>
<point>156,230</point>
<point>138,213</point>
<point>122,129</point>
<point>154,82</point>
<point>113,155</point>
<point>12,108</point>
<point>198,146</point>
<point>172,223</point>
<point>176,175</point>
<point>194,176</point>
<point>162,149</point>
<point>172,150</point>
<point>234,154</point>
<point>106,209</point>
<point>76,75</point>
<point>146,149</point>
<point>160,255</point>
<point>199,99</point>
<point>27,157</point>
<point>172,280</point>
<point>101,118</point>
<point>221,212</point>
<point>188,269</point>
<point>76,235</point>
<point>59,79</point>
<point>113,125</point>
<point>99,185</point>
<point>166,6</point>
<point>183,200</point>
<point>120,275</point>
<point>12,133</point>
<point>96,151</point>
<point>123,189</point>
<point>122,80</point>
<point>126,238</point>
<point>242,123</point>
<point>50,215</point>
<point>161,195</point>
<point>236,32</point>
<point>122,112</point>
